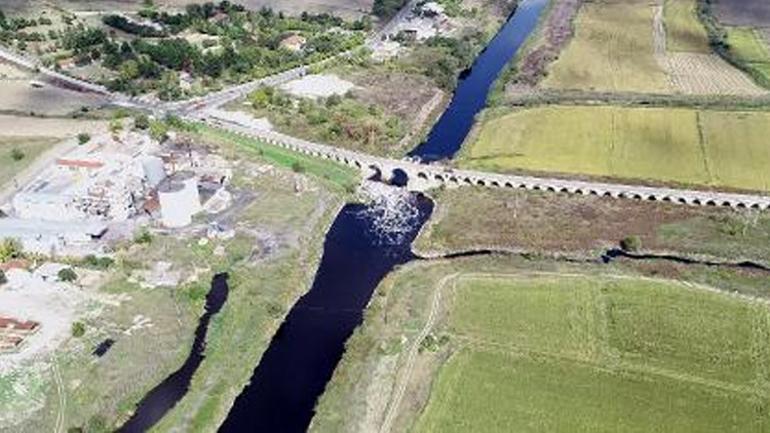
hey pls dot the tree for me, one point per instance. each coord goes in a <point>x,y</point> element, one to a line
<point>631,244</point>
<point>67,275</point>
<point>84,138</point>
<point>10,249</point>
<point>78,329</point>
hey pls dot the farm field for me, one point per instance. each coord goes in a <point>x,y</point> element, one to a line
<point>612,50</point>
<point>683,29</point>
<point>750,46</point>
<point>17,153</point>
<point>590,348</point>
<point>721,149</point>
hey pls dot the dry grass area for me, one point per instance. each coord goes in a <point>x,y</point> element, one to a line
<point>20,97</point>
<point>556,223</point>
<point>19,126</point>
<point>30,148</point>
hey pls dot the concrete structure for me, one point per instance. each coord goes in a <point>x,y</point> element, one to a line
<point>53,237</point>
<point>179,200</point>
<point>154,172</point>
<point>424,176</point>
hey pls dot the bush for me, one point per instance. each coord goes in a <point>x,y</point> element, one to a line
<point>78,329</point>
<point>94,262</point>
<point>16,154</point>
<point>84,138</point>
<point>67,275</point>
<point>141,121</point>
<point>143,237</point>
<point>10,249</point>
<point>631,244</point>
<point>297,167</point>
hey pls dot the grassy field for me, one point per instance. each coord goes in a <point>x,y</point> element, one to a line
<point>333,174</point>
<point>684,146</point>
<point>29,147</point>
<point>612,50</point>
<point>683,29</point>
<point>592,350</point>
<point>748,45</point>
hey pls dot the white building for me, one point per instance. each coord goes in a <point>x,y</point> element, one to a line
<point>179,199</point>
<point>72,238</point>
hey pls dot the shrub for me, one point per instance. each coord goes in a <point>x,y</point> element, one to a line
<point>143,237</point>
<point>141,121</point>
<point>84,138</point>
<point>17,154</point>
<point>631,243</point>
<point>67,275</point>
<point>78,329</point>
<point>94,262</point>
<point>10,249</point>
<point>297,167</point>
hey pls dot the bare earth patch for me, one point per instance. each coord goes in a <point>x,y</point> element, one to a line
<point>318,86</point>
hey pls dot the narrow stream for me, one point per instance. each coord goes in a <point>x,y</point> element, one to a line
<point>163,397</point>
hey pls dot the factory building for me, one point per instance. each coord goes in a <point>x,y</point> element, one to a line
<point>179,199</point>
<point>72,238</point>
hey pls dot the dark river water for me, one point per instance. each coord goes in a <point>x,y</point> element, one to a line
<point>303,354</point>
<point>470,97</point>
<point>306,349</point>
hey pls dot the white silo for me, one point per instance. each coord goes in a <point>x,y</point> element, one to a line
<point>179,200</point>
<point>154,172</point>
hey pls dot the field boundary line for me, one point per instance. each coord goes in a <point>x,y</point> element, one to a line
<point>411,356</point>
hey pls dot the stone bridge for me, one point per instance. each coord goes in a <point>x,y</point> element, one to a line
<point>424,176</point>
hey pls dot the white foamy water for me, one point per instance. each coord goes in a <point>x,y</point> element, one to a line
<point>393,211</point>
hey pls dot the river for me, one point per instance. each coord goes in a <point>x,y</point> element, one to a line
<point>307,347</point>
<point>303,354</point>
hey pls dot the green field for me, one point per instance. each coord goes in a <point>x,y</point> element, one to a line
<point>30,148</point>
<point>612,50</point>
<point>594,354</point>
<point>683,29</point>
<point>748,45</point>
<point>710,148</point>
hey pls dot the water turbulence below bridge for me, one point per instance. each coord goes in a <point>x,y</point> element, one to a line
<point>363,245</point>
<point>470,97</point>
<point>163,397</point>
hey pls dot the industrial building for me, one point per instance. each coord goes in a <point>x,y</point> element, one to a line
<point>71,238</point>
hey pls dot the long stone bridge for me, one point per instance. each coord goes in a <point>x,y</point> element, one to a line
<point>424,176</point>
